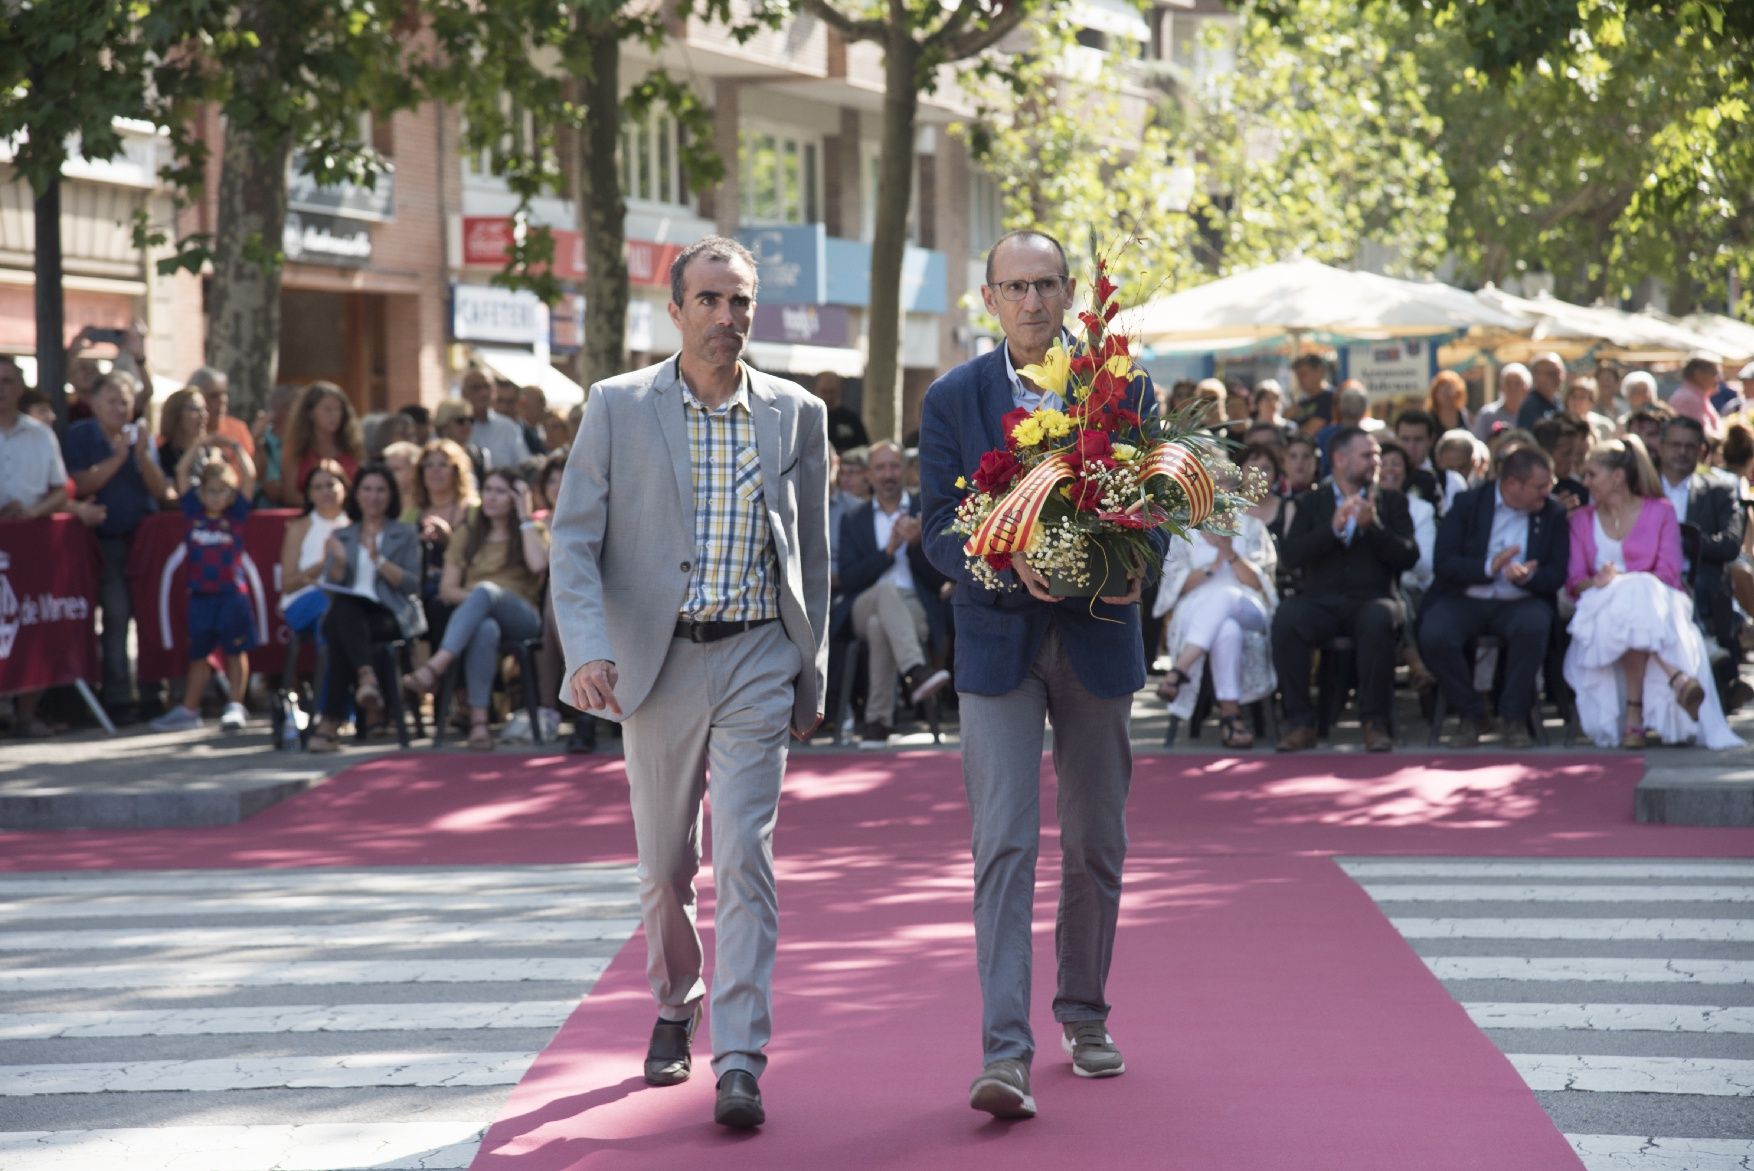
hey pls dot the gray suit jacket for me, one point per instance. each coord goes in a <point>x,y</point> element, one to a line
<point>623,528</point>
<point>399,544</point>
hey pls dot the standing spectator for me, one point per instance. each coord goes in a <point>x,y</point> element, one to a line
<point>323,427</point>
<point>1547,374</point>
<point>33,483</point>
<point>1267,406</point>
<point>508,399</point>
<point>402,458</point>
<point>1446,400</point>
<point>1513,390</point>
<point>384,431</point>
<point>500,439</point>
<point>84,374</point>
<point>1219,594</point>
<point>112,460</point>
<point>1501,559</point>
<point>1210,392</point>
<point>1636,661</point>
<point>1637,389</point>
<point>1237,405</point>
<point>533,416</point>
<point>893,592</point>
<point>443,495</point>
<point>372,570</point>
<point>421,418</point>
<point>1580,404</point>
<point>455,421</point>
<point>1302,465</point>
<point>492,581</point>
<point>1264,435</point>
<point>545,487</point>
<point>1315,403</point>
<point>1351,541</point>
<point>1351,408</point>
<point>1693,398</point>
<point>216,504</point>
<point>846,429</point>
<point>1712,507</point>
<point>1608,400</point>
<point>303,602</point>
<point>183,422</point>
<point>215,389</point>
<point>269,432</point>
<point>557,433</point>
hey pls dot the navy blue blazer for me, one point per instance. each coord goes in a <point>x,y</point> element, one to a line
<point>1459,560</point>
<point>862,563</point>
<point>999,633</point>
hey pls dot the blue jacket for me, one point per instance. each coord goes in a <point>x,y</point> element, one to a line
<point>862,563</point>
<point>999,633</point>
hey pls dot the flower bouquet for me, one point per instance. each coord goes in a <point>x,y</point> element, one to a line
<point>1078,491</point>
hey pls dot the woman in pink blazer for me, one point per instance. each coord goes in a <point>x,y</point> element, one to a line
<point>1636,661</point>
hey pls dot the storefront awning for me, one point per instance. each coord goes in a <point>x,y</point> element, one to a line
<point>805,361</point>
<point>526,369</point>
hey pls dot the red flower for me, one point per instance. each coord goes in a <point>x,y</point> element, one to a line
<point>1087,496</point>
<point>1092,322</point>
<point>1106,389</point>
<point>1000,562</point>
<point>1010,420</point>
<point>1124,418</point>
<point>1126,520</point>
<point>997,470</point>
<point>1105,288</point>
<point>1094,447</point>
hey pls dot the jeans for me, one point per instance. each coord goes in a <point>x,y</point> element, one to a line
<point>489,616</point>
<point>117,607</point>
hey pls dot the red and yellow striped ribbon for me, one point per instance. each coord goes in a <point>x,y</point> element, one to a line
<point>1009,527</point>
<point>1188,473</point>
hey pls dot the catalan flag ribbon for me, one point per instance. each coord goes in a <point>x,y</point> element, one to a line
<point>1183,468</point>
<point>1010,526</point>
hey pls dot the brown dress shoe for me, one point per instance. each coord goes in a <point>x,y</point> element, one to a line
<point>1514,731</point>
<point>1473,728</point>
<point>1300,739</point>
<point>1376,739</point>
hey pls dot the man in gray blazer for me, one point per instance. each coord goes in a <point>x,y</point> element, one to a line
<point>690,578</point>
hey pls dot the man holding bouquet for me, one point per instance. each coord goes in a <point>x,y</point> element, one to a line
<point>1024,654</point>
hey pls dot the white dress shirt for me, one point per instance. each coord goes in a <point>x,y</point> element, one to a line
<point>1509,527</point>
<point>899,573</point>
<point>1678,494</point>
<point>1026,397</point>
<point>30,463</point>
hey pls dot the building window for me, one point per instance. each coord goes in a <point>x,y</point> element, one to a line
<point>986,213</point>
<point>520,139</point>
<point>779,176</point>
<point>872,155</point>
<point>651,164</point>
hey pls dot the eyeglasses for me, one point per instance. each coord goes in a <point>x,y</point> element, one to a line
<point>442,465</point>
<point>1047,287</point>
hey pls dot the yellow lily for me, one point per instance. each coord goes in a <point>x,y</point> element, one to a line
<point>1121,366</point>
<point>1051,373</point>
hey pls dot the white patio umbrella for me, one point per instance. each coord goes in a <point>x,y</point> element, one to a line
<point>1731,338</point>
<point>1304,296</point>
<point>1642,334</point>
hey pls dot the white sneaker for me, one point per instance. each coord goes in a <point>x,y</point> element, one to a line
<point>516,730</point>
<point>550,724</point>
<point>234,717</point>
<point>178,719</point>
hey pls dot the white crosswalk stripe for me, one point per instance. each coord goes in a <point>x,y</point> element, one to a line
<point>122,991</point>
<point>1573,978</point>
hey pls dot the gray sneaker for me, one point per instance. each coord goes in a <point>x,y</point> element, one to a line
<point>1093,1050</point>
<point>178,719</point>
<point>1002,1090</point>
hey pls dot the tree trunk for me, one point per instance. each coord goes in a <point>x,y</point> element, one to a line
<point>243,332</point>
<point>51,316</point>
<point>883,385</point>
<point>602,210</point>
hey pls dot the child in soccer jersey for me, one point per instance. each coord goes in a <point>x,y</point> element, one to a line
<point>216,502</point>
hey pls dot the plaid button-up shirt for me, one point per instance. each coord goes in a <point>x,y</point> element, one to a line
<point>735,573</point>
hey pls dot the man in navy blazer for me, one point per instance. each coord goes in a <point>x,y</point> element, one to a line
<point>1022,655</point>
<point>889,593</point>
<point>1501,557</point>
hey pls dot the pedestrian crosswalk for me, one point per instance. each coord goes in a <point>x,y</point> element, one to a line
<point>312,1020</point>
<point>1622,990</point>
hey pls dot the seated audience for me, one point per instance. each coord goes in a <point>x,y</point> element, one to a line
<point>1636,661</point>
<point>545,485</point>
<point>443,495</point>
<point>455,420</point>
<point>1416,434</point>
<point>403,460</point>
<point>1351,541</point>
<point>1637,389</point>
<point>1692,399</point>
<point>1276,508</point>
<point>303,601</point>
<point>1459,452</point>
<point>892,592</point>
<point>1501,559</point>
<point>1502,412</point>
<point>323,426</point>
<point>1715,509</point>
<point>1581,393</point>
<point>1565,440</point>
<point>1264,435</point>
<point>1220,595</point>
<point>1396,467</point>
<point>421,419</point>
<point>494,572</point>
<point>1647,421</point>
<point>1546,390</point>
<point>1446,401</point>
<point>1302,464</point>
<point>1267,407</point>
<point>372,570</point>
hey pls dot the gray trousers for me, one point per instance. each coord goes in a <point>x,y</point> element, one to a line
<point>1001,767</point>
<point>489,616</point>
<point>893,624</point>
<point>717,722</point>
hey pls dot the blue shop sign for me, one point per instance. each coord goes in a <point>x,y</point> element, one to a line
<point>789,260</point>
<point>924,277</point>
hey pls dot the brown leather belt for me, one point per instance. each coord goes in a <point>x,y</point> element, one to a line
<point>714,631</point>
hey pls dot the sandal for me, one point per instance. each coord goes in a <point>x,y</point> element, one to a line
<point>1233,734</point>
<point>480,738</point>
<point>1634,735</point>
<point>420,681</point>
<point>322,742</point>
<point>1688,693</point>
<point>370,701</point>
<point>1172,684</point>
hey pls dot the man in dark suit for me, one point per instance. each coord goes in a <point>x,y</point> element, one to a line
<point>889,591</point>
<point>1502,554</point>
<point>1710,506</point>
<point>1023,655</point>
<point>1351,541</point>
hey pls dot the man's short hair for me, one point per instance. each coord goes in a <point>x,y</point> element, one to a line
<point>1027,233</point>
<point>1657,412</point>
<point>1698,365</point>
<point>1352,402</point>
<point>1305,361</point>
<point>1271,432</point>
<point>1684,423</point>
<point>877,445</point>
<point>1518,369</point>
<point>31,398</point>
<point>1344,438</point>
<point>715,248</point>
<point>1306,441</point>
<point>1519,463</point>
<point>205,378</point>
<point>418,414</point>
<point>858,457</point>
<point>1418,417</point>
<point>1551,430</point>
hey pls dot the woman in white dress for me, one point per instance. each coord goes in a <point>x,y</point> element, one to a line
<point>1220,596</point>
<point>1637,661</point>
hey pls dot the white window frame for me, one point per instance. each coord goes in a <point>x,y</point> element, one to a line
<point>870,164</point>
<point>806,206</point>
<point>477,169</point>
<point>986,212</point>
<point>659,139</point>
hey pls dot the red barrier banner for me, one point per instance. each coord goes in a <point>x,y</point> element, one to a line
<point>48,603</point>
<point>159,586</point>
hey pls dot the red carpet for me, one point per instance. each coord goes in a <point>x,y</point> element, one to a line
<point>1271,1016</point>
